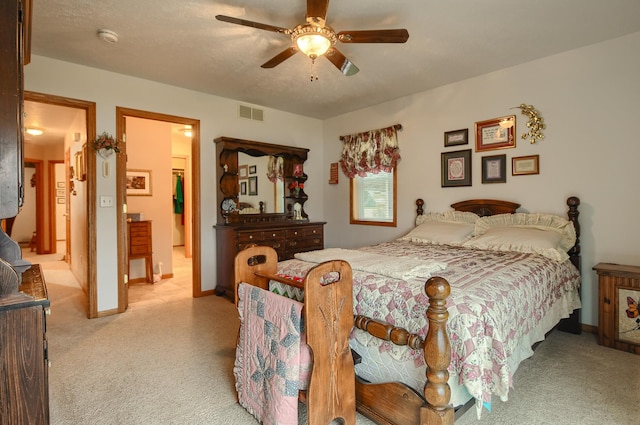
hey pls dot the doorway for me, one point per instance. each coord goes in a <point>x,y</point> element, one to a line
<point>70,122</point>
<point>191,206</point>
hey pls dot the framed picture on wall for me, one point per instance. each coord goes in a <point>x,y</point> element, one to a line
<point>494,169</point>
<point>252,169</point>
<point>138,183</point>
<point>497,133</point>
<point>456,137</point>
<point>523,165</point>
<point>456,168</point>
<point>243,171</point>
<point>243,188</point>
<point>253,186</point>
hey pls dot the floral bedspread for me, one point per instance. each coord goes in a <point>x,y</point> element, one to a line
<point>496,298</point>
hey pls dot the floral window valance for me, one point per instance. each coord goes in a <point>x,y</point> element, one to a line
<point>370,152</point>
<point>275,168</point>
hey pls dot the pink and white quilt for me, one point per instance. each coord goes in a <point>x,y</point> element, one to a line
<point>272,359</point>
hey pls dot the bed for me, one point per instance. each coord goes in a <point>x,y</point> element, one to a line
<point>490,327</point>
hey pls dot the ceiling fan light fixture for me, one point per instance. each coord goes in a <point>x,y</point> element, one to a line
<point>313,41</point>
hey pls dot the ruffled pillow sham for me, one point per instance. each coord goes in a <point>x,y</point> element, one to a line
<point>545,234</point>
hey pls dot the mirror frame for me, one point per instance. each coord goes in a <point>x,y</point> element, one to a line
<point>228,187</point>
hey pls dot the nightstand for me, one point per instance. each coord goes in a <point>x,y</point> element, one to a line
<point>618,299</point>
<point>140,246</point>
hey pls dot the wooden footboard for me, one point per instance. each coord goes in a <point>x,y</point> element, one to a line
<point>332,381</point>
<point>328,311</point>
<point>396,403</point>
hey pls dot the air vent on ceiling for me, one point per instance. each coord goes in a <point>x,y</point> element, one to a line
<point>251,113</point>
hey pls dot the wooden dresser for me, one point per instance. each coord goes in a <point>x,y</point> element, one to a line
<point>286,237</point>
<point>140,246</point>
<point>618,319</point>
<point>24,363</point>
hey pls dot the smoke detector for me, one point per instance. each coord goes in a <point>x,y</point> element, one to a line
<point>108,36</point>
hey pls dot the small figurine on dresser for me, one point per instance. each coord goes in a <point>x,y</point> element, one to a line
<point>297,211</point>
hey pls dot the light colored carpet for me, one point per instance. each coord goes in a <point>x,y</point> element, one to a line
<point>169,360</point>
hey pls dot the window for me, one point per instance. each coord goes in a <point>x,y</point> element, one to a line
<point>373,199</point>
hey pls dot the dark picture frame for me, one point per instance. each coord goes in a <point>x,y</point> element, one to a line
<point>253,186</point>
<point>456,168</point>
<point>252,169</point>
<point>243,188</point>
<point>496,133</point>
<point>525,165</point>
<point>494,169</point>
<point>456,137</point>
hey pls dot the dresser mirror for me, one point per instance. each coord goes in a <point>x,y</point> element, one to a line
<point>244,192</point>
<point>256,189</point>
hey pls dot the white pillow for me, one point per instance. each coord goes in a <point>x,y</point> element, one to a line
<point>544,234</point>
<point>450,228</point>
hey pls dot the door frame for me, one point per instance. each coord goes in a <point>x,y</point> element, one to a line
<point>196,267</point>
<point>90,126</point>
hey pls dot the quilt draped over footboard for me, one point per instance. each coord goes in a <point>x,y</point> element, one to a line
<point>272,359</point>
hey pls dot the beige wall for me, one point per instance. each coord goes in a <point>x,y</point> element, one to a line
<point>149,148</point>
<point>589,99</point>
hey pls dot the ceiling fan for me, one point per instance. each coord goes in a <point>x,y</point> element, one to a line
<point>314,38</point>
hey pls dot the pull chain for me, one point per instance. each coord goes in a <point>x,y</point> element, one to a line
<point>313,78</point>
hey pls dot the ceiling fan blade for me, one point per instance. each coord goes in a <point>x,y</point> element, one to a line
<point>341,62</point>
<point>280,57</point>
<point>374,36</point>
<point>317,9</point>
<point>252,24</point>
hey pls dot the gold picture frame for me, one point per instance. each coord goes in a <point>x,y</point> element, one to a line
<point>524,165</point>
<point>496,133</point>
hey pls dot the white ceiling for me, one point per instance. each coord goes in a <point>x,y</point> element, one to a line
<point>179,42</point>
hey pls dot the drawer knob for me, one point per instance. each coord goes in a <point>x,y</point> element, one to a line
<point>295,233</point>
<point>250,236</point>
<point>273,235</point>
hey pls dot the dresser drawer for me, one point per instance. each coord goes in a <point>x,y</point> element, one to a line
<point>304,232</point>
<point>139,240</point>
<point>139,249</point>
<point>260,236</point>
<point>305,244</point>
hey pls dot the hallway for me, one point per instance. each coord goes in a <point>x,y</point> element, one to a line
<point>57,272</point>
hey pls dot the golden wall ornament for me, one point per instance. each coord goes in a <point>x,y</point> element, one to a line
<point>535,124</point>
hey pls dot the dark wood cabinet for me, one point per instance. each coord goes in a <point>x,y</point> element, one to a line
<point>287,238</point>
<point>618,319</point>
<point>140,246</point>
<point>15,18</point>
<point>24,386</point>
<point>288,232</point>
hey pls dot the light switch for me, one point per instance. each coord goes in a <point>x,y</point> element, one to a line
<point>106,201</point>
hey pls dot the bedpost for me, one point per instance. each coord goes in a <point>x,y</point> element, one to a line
<point>573,213</point>
<point>419,207</point>
<point>437,356</point>
<point>572,323</point>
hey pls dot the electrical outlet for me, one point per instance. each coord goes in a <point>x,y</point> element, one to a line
<point>106,201</point>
